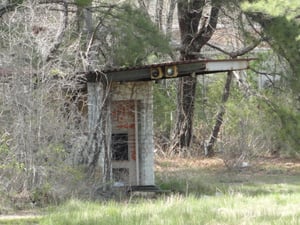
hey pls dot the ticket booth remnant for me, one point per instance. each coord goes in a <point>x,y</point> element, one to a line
<point>131,134</point>
<point>120,111</point>
<point>120,121</point>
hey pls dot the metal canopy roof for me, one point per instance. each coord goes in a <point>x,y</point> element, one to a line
<point>168,70</point>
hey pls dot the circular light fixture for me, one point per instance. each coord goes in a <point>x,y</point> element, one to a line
<point>170,71</point>
<point>155,73</point>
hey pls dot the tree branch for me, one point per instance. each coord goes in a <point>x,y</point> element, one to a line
<point>61,33</point>
<point>8,8</point>
<point>239,52</point>
<point>206,31</point>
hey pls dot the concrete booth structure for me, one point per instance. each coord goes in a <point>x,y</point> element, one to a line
<point>120,111</point>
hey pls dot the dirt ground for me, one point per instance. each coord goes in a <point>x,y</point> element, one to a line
<point>258,165</point>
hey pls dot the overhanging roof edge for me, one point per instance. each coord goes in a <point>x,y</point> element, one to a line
<point>185,68</point>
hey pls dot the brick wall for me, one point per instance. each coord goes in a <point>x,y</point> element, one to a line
<point>141,92</point>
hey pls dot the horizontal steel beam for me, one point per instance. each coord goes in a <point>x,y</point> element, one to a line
<point>168,70</point>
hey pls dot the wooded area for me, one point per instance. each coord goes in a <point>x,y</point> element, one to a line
<point>47,152</point>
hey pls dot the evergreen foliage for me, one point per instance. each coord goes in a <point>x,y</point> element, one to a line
<point>134,37</point>
<point>83,3</point>
<point>276,8</point>
<point>280,20</point>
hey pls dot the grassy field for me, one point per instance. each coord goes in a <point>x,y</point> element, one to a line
<point>204,192</point>
<point>211,177</point>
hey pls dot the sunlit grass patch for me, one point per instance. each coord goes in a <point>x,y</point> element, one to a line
<point>265,189</point>
<point>20,221</point>
<point>258,179</point>
<point>200,195</point>
<point>178,210</point>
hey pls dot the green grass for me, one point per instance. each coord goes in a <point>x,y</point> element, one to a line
<point>256,180</point>
<point>202,183</point>
<point>277,209</point>
<point>178,210</point>
<point>25,221</point>
<point>206,195</point>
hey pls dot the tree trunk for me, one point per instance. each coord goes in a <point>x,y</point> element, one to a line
<point>194,35</point>
<point>183,131</point>
<point>96,155</point>
<point>170,18</point>
<point>209,151</point>
<point>159,13</point>
<point>219,119</point>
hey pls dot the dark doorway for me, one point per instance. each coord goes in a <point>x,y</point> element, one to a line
<point>120,146</point>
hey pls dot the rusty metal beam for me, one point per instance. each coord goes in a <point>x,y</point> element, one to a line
<point>160,71</point>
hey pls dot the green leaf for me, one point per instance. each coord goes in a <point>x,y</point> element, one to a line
<point>135,37</point>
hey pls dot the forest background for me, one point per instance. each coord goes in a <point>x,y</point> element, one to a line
<point>46,46</point>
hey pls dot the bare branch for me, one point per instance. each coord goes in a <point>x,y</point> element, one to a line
<point>61,33</point>
<point>206,31</point>
<point>93,37</point>
<point>218,48</point>
<point>238,52</point>
<point>8,8</point>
